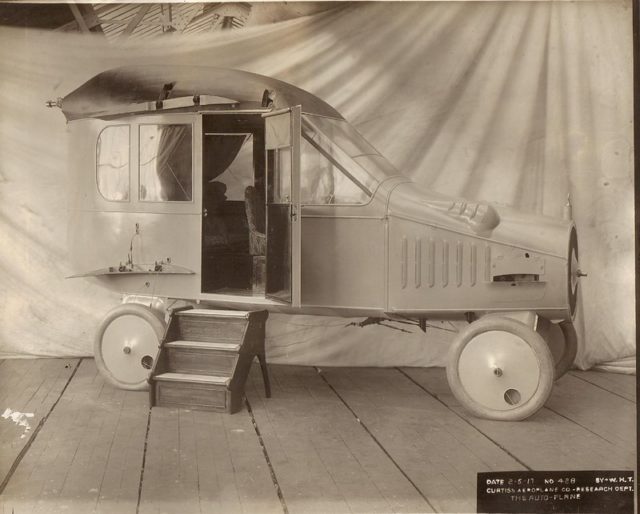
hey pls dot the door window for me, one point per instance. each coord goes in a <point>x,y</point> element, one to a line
<point>279,186</point>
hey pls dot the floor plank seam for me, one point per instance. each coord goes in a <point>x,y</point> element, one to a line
<point>109,454</point>
<point>375,440</point>
<point>144,460</point>
<point>272,471</point>
<point>35,391</point>
<point>36,431</point>
<point>600,387</point>
<point>466,421</point>
<point>580,425</point>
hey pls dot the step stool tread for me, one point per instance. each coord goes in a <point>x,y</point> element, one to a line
<point>187,377</point>
<point>229,347</point>
<point>214,313</point>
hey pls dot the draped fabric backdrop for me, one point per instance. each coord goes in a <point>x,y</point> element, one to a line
<point>513,102</point>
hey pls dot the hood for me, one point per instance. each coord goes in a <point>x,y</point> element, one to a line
<point>496,222</point>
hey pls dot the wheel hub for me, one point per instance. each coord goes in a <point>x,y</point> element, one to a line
<point>129,345</point>
<point>499,370</point>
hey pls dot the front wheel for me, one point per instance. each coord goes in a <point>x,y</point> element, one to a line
<point>500,369</point>
<point>126,345</point>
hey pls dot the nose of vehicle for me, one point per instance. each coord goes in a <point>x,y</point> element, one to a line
<point>574,271</point>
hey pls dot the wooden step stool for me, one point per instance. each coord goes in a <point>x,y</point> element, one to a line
<point>205,357</point>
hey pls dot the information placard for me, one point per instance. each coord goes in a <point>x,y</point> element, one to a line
<point>556,491</point>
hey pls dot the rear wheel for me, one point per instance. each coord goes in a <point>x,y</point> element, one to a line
<point>565,362</point>
<point>500,369</point>
<point>562,341</point>
<point>126,345</point>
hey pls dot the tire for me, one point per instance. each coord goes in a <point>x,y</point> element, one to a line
<point>562,340</point>
<point>565,363</point>
<point>500,369</point>
<point>126,345</point>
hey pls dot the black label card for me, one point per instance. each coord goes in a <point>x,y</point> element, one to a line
<point>556,491</point>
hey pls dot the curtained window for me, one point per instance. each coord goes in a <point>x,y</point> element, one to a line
<point>112,163</point>
<point>166,171</point>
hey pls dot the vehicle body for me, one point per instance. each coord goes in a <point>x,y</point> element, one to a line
<point>234,190</point>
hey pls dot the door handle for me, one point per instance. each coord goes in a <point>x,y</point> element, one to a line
<point>294,213</point>
<point>205,212</point>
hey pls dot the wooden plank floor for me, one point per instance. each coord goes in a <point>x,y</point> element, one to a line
<point>324,459</point>
<point>329,440</point>
<point>29,386</point>
<point>205,462</point>
<point>88,452</point>
<point>552,438</point>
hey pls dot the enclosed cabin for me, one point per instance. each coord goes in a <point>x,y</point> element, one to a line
<point>239,190</point>
<point>187,183</point>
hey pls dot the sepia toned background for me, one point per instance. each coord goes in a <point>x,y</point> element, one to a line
<point>514,102</point>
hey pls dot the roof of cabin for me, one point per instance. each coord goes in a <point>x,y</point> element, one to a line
<point>125,90</point>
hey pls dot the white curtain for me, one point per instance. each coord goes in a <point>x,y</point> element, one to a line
<point>515,102</point>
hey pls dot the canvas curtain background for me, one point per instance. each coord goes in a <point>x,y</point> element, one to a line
<point>514,102</point>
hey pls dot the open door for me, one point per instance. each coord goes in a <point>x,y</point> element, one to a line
<point>282,143</point>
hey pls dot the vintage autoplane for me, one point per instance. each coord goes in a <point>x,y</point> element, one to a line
<point>232,190</point>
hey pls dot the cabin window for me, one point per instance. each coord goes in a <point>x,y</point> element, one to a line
<point>166,171</point>
<point>323,181</point>
<point>340,144</point>
<point>112,163</point>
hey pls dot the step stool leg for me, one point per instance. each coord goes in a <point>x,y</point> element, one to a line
<point>265,375</point>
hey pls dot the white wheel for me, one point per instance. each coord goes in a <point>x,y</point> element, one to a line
<point>500,369</point>
<point>126,345</point>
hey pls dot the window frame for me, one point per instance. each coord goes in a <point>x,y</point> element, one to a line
<point>286,200</point>
<point>161,122</point>
<point>194,206</point>
<point>129,164</point>
<point>341,169</point>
